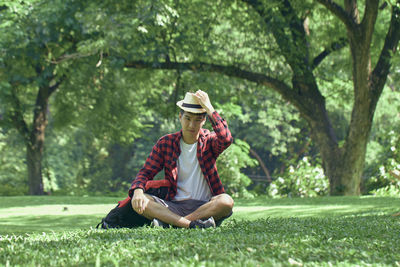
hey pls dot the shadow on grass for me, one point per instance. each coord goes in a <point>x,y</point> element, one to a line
<point>263,207</point>
<point>22,219</point>
<point>284,211</point>
<point>335,200</point>
<point>47,223</point>
<point>24,201</point>
<point>321,241</point>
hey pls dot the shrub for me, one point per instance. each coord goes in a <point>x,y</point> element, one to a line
<point>13,172</point>
<point>387,181</point>
<point>12,190</point>
<point>302,180</point>
<point>230,163</point>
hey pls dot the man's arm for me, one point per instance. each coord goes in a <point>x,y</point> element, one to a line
<point>224,137</point>
<point>205,102</point>
<point>139,201</point>
<point>152,166</point>
<point>154,163</point>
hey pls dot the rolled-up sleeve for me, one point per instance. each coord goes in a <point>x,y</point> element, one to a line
<point>223,137</point>
<point>154,163</point>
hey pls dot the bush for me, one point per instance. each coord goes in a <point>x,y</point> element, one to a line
<point>387,191</point>
<point>302,180</point>
<point>383,145</point>
<point>230,162</point>
<point>11,190</point>
<point>13,172</point>
<point>387,181</point>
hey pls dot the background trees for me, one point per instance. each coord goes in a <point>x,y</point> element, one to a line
<point>109,65</point>
<point>287,25</point>
<point>30,73</point>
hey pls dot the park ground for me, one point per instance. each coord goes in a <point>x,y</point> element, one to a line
<point>329,231</point>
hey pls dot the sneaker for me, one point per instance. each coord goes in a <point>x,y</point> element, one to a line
<point>203,224</point>
<point>158,223</point>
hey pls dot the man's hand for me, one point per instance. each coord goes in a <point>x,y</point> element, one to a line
<point>204,101</point>
<point>139,201</point>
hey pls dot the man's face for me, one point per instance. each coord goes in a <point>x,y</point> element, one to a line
<point>191,124</point>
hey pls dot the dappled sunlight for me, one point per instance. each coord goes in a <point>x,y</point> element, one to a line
<point>349,200</point>
<point>263,207</point>
<point>57,210</point>
<point>28,201</point>
<point>48,223</point>
<point>256,212</point>
<point>70,215</point>
<point>48,218</point>
<point>280,232</point>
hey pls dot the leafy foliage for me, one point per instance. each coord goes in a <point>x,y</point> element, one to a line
<point>12,165</point>
<point>302,180</point>
<point>230,163</point>
<point>101,104</point>
<point>387,182</point>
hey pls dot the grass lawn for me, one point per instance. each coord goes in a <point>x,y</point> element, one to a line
<point>331,231</point>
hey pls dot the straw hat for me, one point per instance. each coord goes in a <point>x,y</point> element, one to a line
<point>190,104</point>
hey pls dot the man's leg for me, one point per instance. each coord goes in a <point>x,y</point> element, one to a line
<point>158,211</point>
<point>219,206</point>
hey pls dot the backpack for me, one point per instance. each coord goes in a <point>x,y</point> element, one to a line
<point>123,215</point>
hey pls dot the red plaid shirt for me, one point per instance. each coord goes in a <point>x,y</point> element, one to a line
<point>166,151</point>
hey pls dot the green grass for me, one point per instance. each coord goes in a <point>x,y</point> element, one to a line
<point>338,231</point>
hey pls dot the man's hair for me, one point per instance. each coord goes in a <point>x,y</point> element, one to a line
<point>203,115</point>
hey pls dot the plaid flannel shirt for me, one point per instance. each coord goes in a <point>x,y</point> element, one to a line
<point>166,151</point>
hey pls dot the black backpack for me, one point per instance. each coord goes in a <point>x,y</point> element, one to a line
<point>123,215</point>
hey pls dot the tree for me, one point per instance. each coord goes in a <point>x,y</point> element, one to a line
<point>30,49</point>
<point>42,55</point>
<point>287,24</point>
<point>286,46</point>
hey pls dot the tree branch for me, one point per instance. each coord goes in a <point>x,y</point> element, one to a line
<point>257,6</point>
<point>335,46</point>
<point>339,12</point>
<point>66,57</point>
<point>17,118</point>
<point>296,24</point>
<point>53,88</point>
<point>294,46</point>
<point>231,71</point>
<point>369,19</point>
<point>283,42</point>
<point>351,7</point>
<point>381,70</point>
<point>297,52</point>
<point>262,165</point>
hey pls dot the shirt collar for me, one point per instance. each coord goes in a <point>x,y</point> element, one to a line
<point>202,134</point>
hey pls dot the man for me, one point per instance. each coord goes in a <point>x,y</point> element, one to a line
<point>196,198</point>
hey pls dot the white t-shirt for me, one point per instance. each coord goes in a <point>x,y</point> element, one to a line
<point>191,182</point>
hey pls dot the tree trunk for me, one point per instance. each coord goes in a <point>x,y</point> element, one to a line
<point>34,162</point>
<point>262,164</point>
<point>313,109</point>
<point>36,142</point>
<point>343,166</point>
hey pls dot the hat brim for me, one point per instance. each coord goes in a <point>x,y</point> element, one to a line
<point>189,109</point>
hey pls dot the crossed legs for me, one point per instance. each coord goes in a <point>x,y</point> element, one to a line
<point>219,207</point>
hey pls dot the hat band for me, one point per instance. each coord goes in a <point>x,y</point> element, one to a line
<point>191,105</point>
